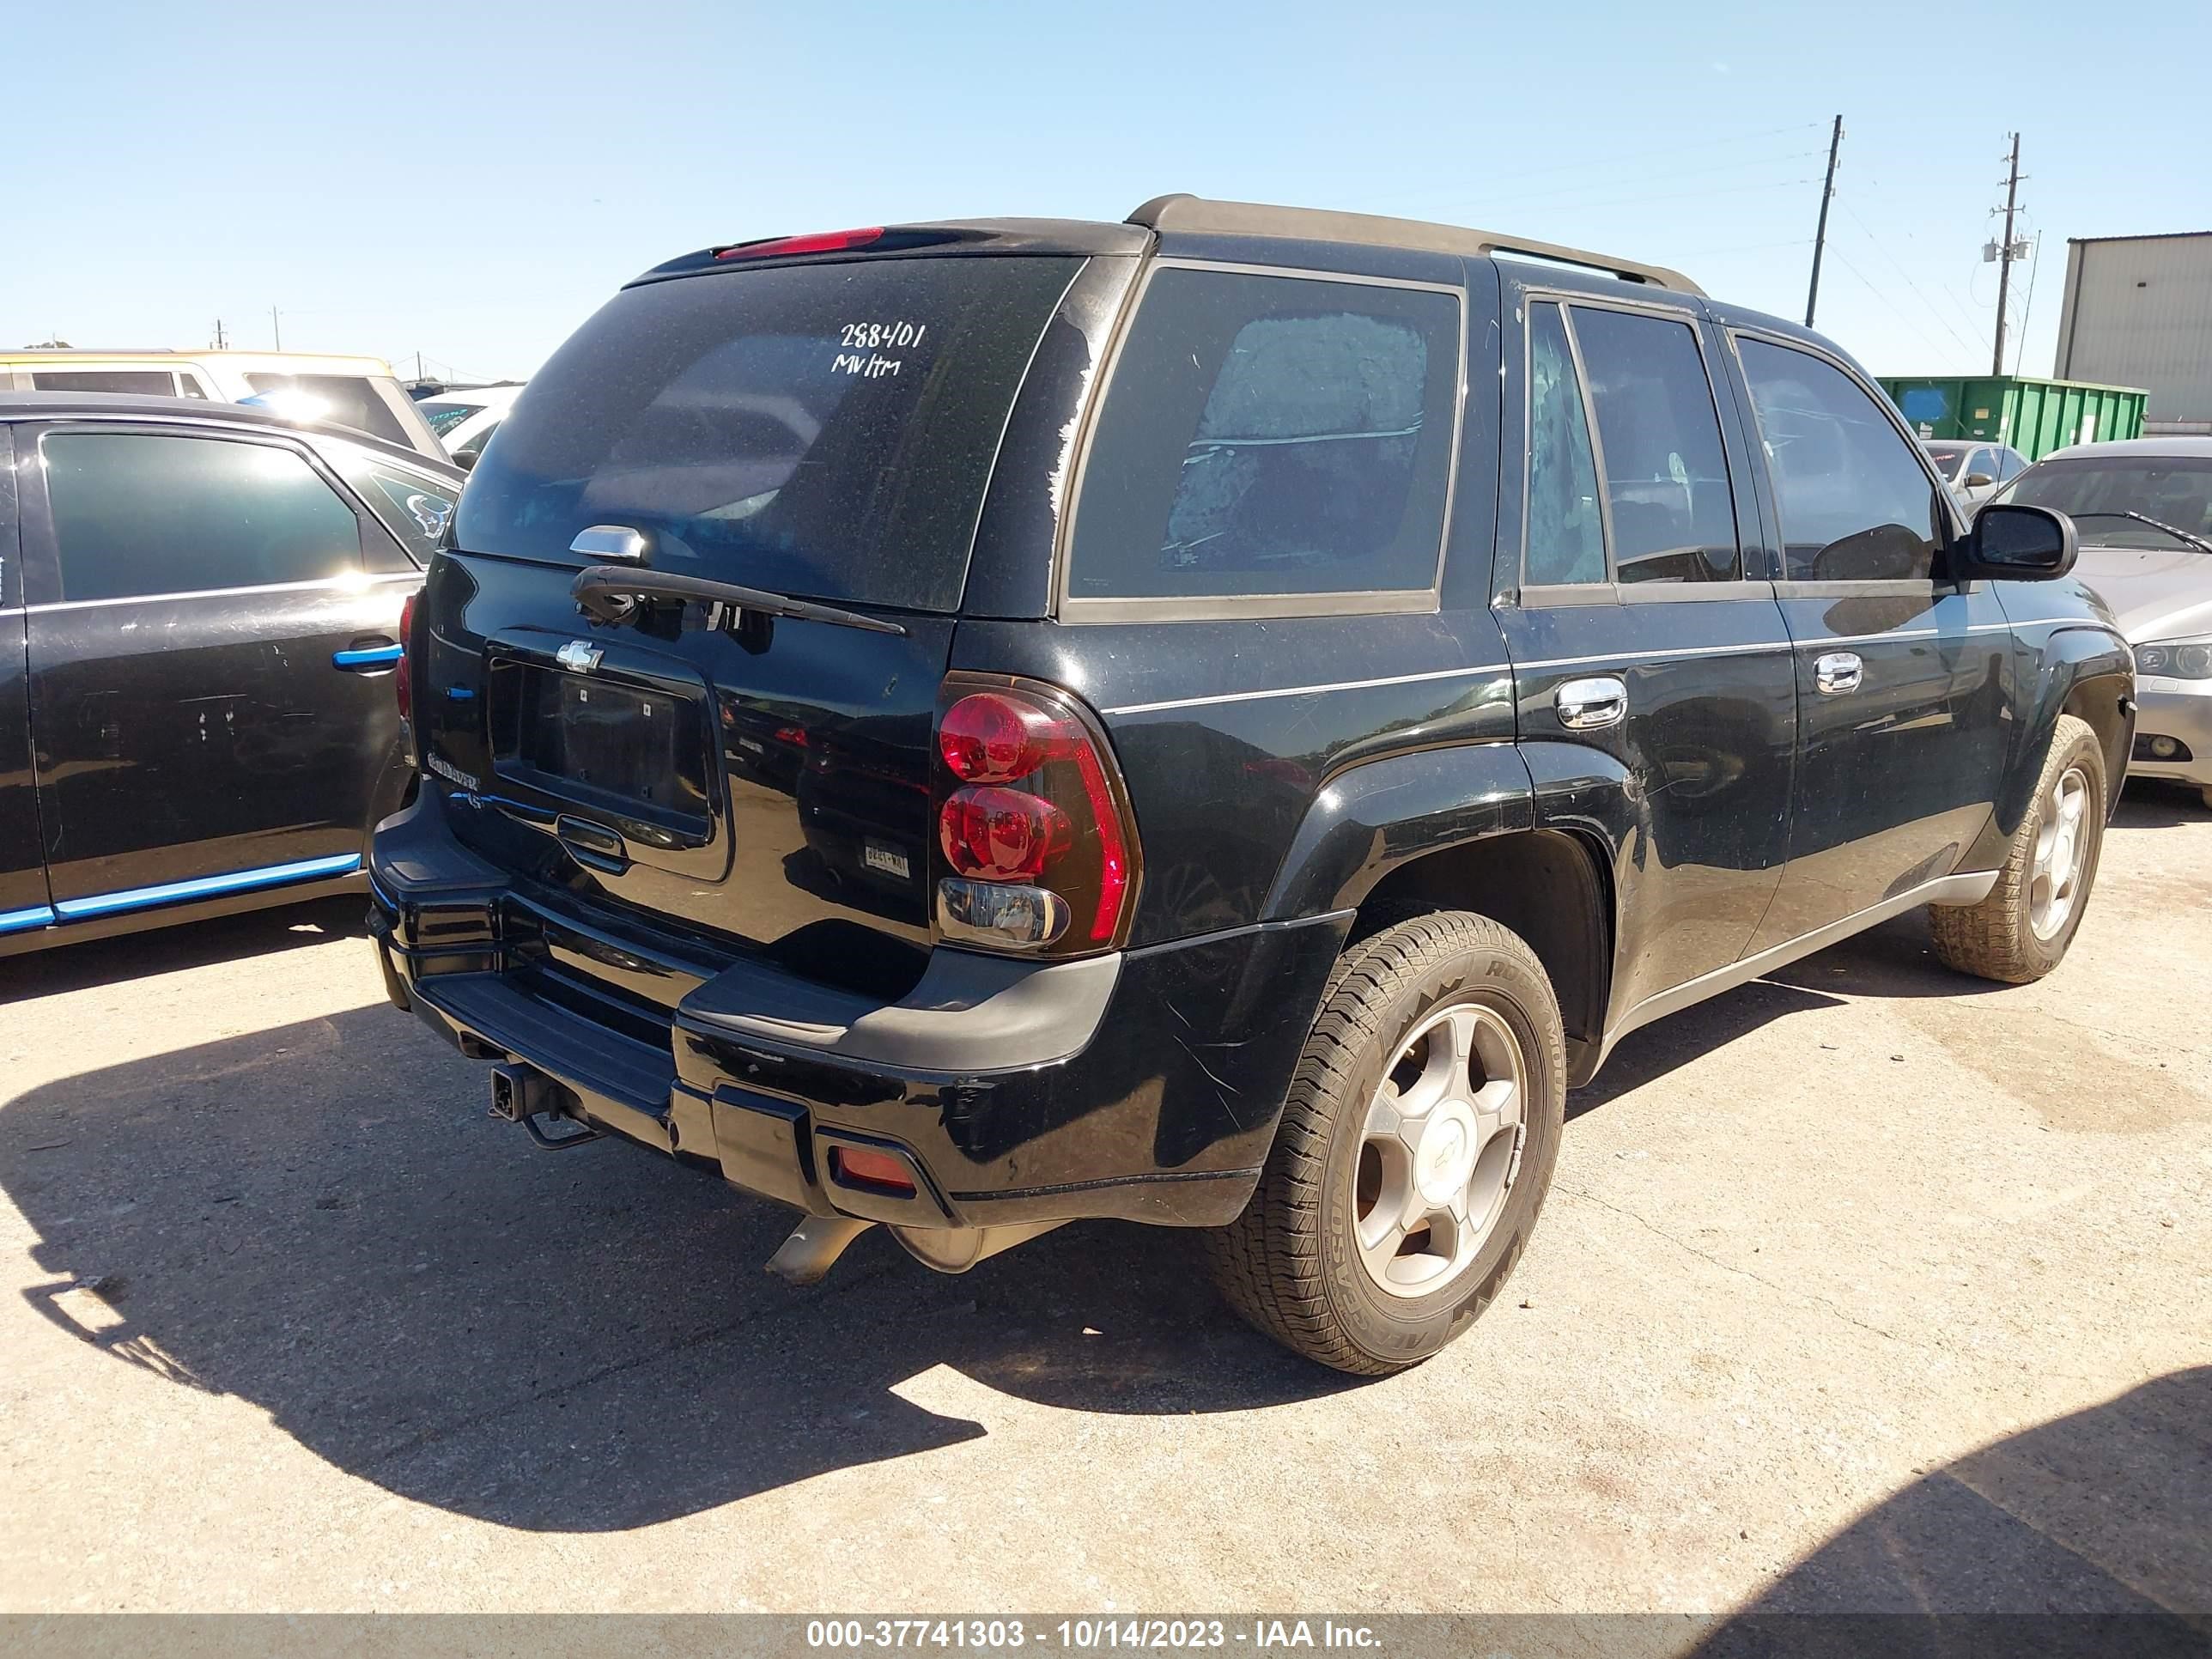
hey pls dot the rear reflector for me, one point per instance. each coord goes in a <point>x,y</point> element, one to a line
<point>823,241</point>
<point>862,1166</point>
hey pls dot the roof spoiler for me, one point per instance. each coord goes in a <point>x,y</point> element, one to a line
<point>1196,213</point>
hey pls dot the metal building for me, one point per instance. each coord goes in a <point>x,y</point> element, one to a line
<point>2138,312</point>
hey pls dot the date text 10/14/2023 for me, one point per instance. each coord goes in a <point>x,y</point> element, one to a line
<point>1086,1635</point>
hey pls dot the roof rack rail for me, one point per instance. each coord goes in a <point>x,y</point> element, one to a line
<point>1197,214</point>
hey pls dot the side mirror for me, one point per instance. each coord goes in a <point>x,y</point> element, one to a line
<point>1977,480</point>
<point>2013,543</point>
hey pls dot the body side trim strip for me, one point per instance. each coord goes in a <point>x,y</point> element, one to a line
<point>1308,690</point>
<point>270,875</point>
<point>39,915</point>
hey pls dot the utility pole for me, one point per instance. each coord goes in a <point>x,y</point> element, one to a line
<point>276,328</point>
<point>2005,254</point>
<point>1821,236</point>
<point>221,340</point>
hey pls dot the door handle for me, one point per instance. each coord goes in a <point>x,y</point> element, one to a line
<point>1837,672</point>
<point>1589,705</point>
<point>377,653</point>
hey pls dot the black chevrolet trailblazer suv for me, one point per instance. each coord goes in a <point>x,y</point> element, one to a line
<point>1218,720</point>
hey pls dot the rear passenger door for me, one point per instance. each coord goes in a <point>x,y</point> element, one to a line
<point>1903,682</point>
<point>22,860</point>
<point>1651,666</point>
<point>211,634</point>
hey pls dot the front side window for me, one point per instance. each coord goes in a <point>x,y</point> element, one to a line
<point>1271,435</point>
<point>1856,503</point>
<point>2008,466</point>
<point>1659,441</point>
<point>1566,528</point>
<point>143,514</point>
<point>342,399</point>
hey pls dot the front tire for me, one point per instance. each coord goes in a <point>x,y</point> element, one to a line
<point>1415,1149</point>
<point>2020,932</point>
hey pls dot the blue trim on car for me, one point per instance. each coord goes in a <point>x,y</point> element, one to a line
<point>237,881</point>
<point>376,656</point>
<point>13,921</point>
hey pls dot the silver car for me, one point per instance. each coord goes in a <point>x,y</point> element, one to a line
<point>1975,469</point>
<point>2144,511</point>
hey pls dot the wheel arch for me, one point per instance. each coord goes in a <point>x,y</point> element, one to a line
<point>1459,828</point>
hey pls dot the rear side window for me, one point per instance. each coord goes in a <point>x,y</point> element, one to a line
<point>1271,435</point>
<point>822,430</point>
<point>142,514</point>
<point>1659,442</point>
<point>1856,504</point>
<point>145,382</point>
<point>412,508</point>
<point>444,417</point>
<point>346,399</point>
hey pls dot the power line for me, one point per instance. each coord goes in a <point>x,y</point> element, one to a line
<point>1869,232</point>
<point>2035,264</point>
<point>1845,260</point>
<point>1648,154</point>
<point>1965,310</point>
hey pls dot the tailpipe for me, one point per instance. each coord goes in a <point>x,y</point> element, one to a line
<point>955,1249</point>
<point>815,1244</point>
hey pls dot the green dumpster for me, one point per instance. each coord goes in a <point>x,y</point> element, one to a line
<point>2035,416</point>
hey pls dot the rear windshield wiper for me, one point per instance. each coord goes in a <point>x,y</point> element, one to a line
<point>610,593</point>
<point>2196,542</point>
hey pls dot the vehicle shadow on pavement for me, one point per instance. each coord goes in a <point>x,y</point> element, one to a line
<point>167,949</point>
<point>2103,1518</point>
<point>322,1219</point>
<point>2149,804</point>
<point>1649,1053</point>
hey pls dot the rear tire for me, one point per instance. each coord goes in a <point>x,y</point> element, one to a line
<point>2020,932</point>
<point>2206,793</point>
<point>1415,1149</point>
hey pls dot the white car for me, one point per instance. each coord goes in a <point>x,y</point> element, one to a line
<point>307,386</point>
<point>1974,469</point>
<point>466,418</point>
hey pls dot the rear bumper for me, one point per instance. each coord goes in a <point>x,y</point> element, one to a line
<point>1144,1085</point>
<point>2178,710</point>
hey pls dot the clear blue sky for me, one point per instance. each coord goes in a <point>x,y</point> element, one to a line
<point>468,181</point>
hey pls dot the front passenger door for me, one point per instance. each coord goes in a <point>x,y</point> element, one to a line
<point>1904,678</point>
<point>209,656</point>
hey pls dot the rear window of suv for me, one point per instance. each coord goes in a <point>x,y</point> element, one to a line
<point>1271,435</point>
<point>824,430</point>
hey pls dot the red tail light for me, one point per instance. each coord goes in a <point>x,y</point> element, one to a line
<point>402,672</point>
<point>1034,829</point>
<point>824,241</point>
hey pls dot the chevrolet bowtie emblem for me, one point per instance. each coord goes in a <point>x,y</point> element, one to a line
<point>579,656</point>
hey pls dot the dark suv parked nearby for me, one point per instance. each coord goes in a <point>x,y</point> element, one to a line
<point>1219,720</point>
<point>199,627</point>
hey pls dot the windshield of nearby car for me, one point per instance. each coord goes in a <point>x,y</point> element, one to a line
<point>1947,458</point>
<point>2099,492</point>
<point>445,416</point>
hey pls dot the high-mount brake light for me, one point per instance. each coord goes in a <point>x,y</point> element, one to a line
<point>402,672</point>
<point>822,241</point>
<point>1033,828</point>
